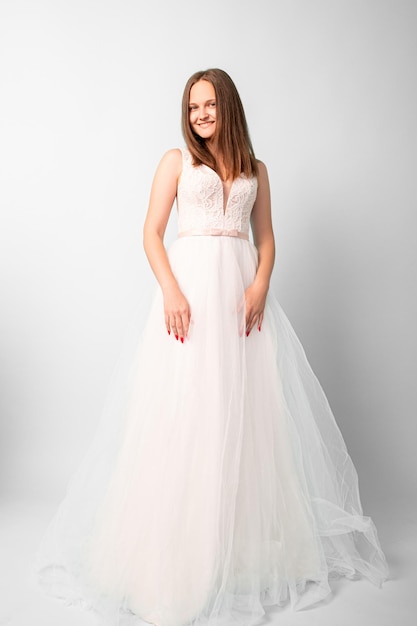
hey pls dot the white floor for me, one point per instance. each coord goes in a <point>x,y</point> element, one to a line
<point>355,603</point>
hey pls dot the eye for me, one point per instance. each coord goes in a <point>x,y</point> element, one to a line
<point>192,107</point>
<point>212,104</point>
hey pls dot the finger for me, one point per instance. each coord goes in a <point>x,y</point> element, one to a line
<point>260,320</point>
<point>249,324</point>
<point>180,329</point>
<point>255,319</point>
<point>186,323</point>
<point>167,324</point>
<point>173,325</point>
<point>248,317</point>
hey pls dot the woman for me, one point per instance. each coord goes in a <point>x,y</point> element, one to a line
<point>228,486</point>
<point>203,128</point>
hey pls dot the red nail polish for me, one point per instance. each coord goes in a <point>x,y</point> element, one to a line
<point>182,339</point>
<point>259,328</point>
<point>169,332</point>
<point>247,333</point>
<point>176,337</point>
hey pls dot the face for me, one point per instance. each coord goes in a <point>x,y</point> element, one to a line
<point>202,109</point>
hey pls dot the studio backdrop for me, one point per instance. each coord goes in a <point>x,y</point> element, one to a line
<point>90,101</point>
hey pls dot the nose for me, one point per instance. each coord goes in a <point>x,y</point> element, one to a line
<point>203,114</point>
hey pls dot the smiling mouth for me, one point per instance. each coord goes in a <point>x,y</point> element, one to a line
<point>205,124</point>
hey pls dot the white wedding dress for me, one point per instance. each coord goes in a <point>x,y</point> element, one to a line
<point>221,483</point>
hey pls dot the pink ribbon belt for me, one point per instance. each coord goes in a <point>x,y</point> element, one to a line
<point>213,231</point>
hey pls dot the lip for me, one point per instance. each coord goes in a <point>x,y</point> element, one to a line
<point>205,124</point>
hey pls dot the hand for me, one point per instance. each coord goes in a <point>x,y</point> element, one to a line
<point>255,298</point>
<point>177,313</point>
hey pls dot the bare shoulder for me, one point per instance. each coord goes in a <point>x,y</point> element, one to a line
<point>174,155</point>
<point>262,168</point>
<point>263,179</point>
<point>173,158</point>
<point>171,163</point>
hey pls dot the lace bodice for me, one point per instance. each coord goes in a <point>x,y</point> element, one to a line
<point>200,200</point>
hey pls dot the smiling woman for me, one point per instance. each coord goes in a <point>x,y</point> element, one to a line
<point>229,486</point>
<point>203,110</point>
<point>210,97</point>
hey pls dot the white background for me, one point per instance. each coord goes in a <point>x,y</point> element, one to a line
<point>90,100</point>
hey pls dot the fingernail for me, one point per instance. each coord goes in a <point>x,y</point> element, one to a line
<point>169,332</point>
<point>182,339</point>
<point>259,328</point>
<point>247,333</point>
<point>176,337</point>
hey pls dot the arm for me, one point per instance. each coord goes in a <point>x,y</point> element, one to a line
<point>162,196</point>
<point>261,221</point>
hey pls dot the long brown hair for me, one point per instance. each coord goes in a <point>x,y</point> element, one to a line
<point>232,139</point>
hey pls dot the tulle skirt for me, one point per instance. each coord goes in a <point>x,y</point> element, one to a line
<point>218,482</point>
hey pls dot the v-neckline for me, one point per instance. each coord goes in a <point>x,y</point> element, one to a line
<point>224,204</point>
